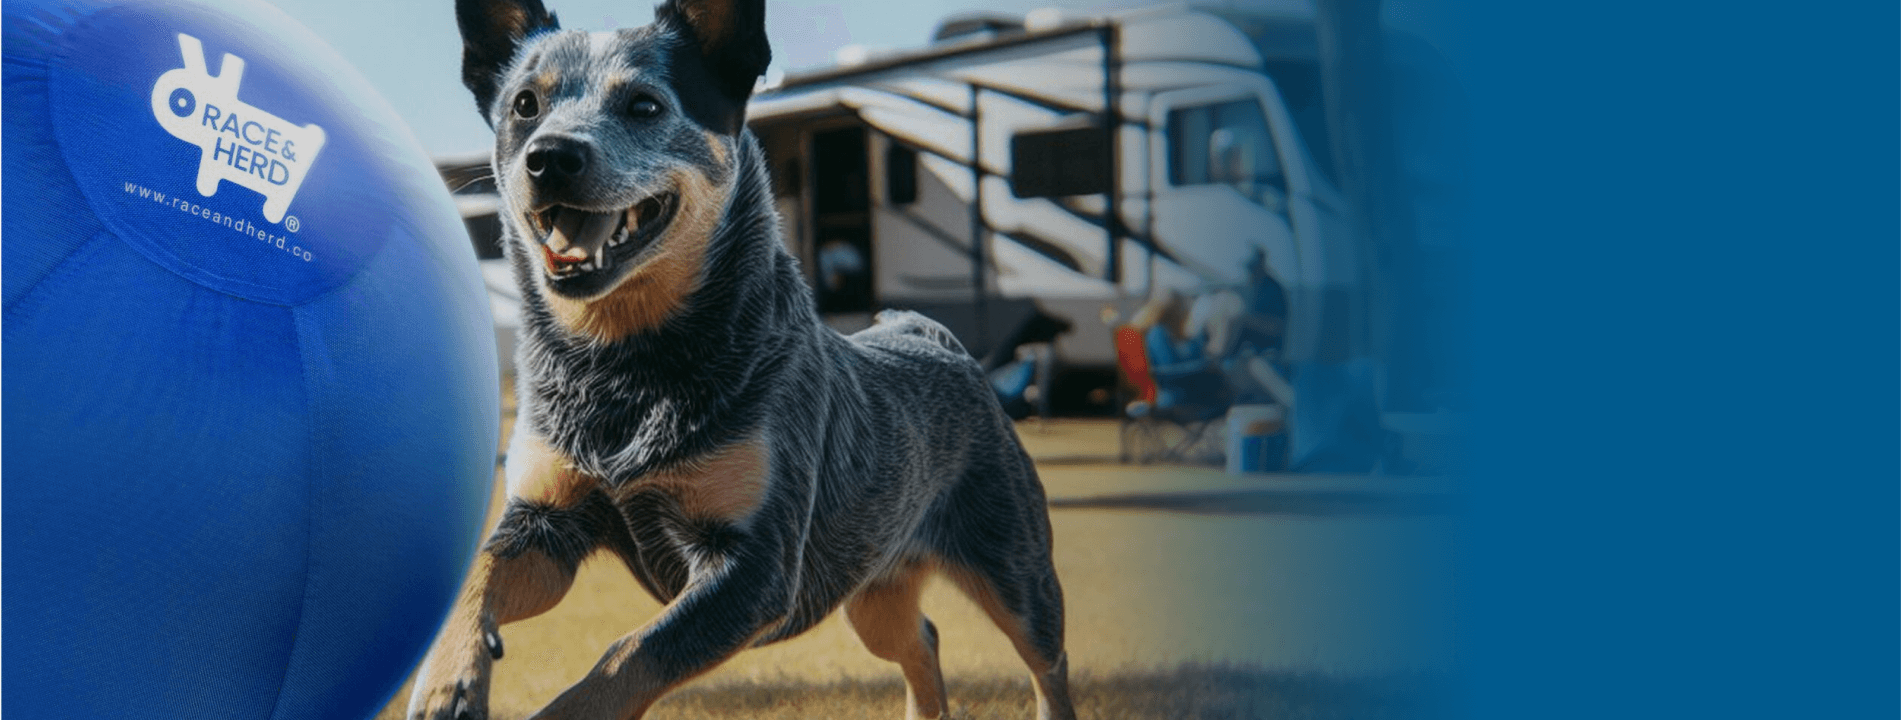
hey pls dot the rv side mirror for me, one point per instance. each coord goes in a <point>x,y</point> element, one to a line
<point>1053,163</point>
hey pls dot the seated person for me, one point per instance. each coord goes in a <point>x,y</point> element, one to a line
<point>1243,330</point>
<point>1263,325</point>
<point>1184,373</point>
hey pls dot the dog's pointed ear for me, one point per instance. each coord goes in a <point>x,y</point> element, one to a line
<point>730,36</point>
<point>492,32</point>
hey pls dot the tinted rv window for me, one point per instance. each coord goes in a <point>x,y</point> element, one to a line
<point>1053,163</point>
<point>1223,143</point>
<point>900,174</point>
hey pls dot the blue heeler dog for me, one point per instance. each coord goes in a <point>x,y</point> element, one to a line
<point>682,407</point>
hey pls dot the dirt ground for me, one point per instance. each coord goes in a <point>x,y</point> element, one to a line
<point>1170,614</point>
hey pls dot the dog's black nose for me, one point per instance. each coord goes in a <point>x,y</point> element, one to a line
<point>553,162</point>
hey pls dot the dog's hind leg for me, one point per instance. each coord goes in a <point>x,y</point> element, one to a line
<point>1028,607</point>
<point>999,555</point>
<point>887,618</point>
<point>525,567</point>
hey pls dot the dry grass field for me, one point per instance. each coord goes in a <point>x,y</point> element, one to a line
<point>1202,614</point>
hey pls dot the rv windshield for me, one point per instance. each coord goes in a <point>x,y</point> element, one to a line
<point>1225,143</point>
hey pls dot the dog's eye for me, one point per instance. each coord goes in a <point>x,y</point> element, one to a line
<point>643,106</point>
<point>526,106</point>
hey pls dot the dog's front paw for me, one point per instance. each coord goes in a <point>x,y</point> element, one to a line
<point>453,682</point>
<point>462,700</point>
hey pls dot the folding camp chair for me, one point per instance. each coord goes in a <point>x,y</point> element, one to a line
<point>1174,403</point>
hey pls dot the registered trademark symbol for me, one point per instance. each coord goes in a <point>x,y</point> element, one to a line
<point>291,223</point>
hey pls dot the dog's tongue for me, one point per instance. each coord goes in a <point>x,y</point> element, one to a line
<point>579,235</point>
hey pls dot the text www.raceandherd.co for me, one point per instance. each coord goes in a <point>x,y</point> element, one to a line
<point>234,224</point>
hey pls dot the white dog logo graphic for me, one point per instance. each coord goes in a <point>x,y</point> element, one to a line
<point>243,144</point>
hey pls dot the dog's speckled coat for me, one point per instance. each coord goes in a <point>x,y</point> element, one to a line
<point>683,407</point>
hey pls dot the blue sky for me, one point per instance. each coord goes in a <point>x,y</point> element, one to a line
<point>410,50</point>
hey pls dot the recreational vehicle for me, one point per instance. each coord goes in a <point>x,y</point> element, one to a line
<point>1067,168</point>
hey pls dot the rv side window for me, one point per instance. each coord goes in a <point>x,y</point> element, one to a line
<point>1065,161</point>
<point>1223,144</point>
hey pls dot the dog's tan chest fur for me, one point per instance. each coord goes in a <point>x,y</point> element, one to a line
<point>726,485</point>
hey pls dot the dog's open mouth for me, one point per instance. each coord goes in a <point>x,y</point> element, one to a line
<point>579,245</point>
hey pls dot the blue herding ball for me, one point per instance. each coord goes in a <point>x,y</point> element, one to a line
<point>251,407</point>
